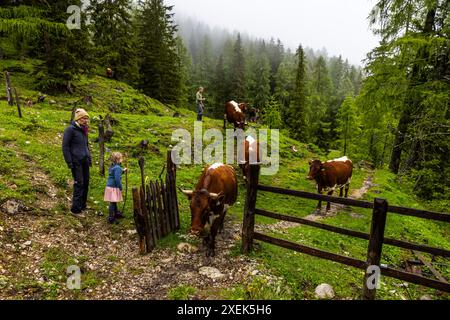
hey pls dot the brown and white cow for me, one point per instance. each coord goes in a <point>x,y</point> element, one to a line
<point>252,155</point>
<point>331,175</point>
<point>235,114</point>
<point>215,192</point>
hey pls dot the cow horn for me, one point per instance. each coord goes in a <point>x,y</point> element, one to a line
<point>187,192</point>
<point>214,196</point>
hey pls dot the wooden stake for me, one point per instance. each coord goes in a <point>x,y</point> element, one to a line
<point>248,226</point>
<point>8,89</point>
<point>18,103</point>
<point>375,244</point>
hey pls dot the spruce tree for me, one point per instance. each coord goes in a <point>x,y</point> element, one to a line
<point>348,124</point>
<point>114,37</point>
<point>237,72</point>
<point>160,65</point>
<point>65,53</point>
<point>298,108</point>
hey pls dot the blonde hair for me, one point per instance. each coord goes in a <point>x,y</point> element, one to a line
<point>116,157</point>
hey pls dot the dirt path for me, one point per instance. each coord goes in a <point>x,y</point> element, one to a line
<point>37,246</point>
<point>335,208</point>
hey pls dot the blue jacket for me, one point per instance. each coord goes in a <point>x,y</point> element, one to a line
<point>115,177</point>
<point>75,146</point>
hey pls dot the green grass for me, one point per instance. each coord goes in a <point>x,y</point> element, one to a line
<point>38,136</point>
<point>303,273</point>
<point>182,292</point>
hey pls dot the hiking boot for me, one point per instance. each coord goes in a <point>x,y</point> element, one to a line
<point>78,215</point>
<point>119,215</point>
<point>112,220</point>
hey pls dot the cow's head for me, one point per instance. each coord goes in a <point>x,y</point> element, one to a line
<point>240,125</point>
<point>202,204</point>
<point>315,167</point>
<point>243,107</point>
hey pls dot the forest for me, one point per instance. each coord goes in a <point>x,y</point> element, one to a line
<point>393,112</point>
<point>140,64</point>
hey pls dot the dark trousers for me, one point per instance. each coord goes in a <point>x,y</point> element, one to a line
<point>113,209</point>
<point>200,108</point>
<point>80,174</point>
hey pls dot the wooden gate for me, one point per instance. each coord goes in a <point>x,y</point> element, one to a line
<point>156,207</point>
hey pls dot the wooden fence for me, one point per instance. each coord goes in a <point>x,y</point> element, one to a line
<point>156,207</point>
<point>376,237</point>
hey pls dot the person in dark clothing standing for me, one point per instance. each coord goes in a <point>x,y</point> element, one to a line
<point>200,103</point>
<point>76,153</point>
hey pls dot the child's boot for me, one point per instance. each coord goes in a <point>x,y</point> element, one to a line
<point>119,215</point>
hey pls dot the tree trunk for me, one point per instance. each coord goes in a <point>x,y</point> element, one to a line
<point>417,77</point>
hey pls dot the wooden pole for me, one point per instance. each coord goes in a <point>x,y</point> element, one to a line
<point>148,237</point>
<point>375,246</point>
<point>151,218</point>
<point>101,142</point>
<point>165,207</point>
<point>248,226</point>
<point>155,211</point>
<point>72,117</point>
<point>8,89</point>
<point>162,219</point>
<point>172,193</point>
<point>18,103</point>
<point>141,162</point>
<point>139,221</point>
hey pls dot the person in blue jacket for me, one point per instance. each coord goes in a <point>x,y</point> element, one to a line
<point>113,190</point>
<point>75,147</point>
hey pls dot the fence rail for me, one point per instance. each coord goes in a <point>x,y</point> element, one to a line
<point>375,238</point>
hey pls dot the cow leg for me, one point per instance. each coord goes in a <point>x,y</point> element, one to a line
<point>341,190</point>
<point>210,251</point>
<point>347,186</point>
<point>319,205</point>
<point>330,193</point>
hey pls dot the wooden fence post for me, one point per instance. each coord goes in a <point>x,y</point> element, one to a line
<point>101,142</point>
<point>248,225</point>
<point>9,90</point>
<point>18,103</point>
<point>139,221</point>
<point>375,246</point>
<point>141,163</point>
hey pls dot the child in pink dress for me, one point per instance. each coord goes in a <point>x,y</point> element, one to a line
<point>113,191</point>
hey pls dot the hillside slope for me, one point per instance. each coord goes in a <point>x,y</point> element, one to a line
<point>39,243</point>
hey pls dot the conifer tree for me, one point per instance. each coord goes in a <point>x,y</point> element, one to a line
<point>160,72</point>
<point>237,72</point>
<point>114,37</point>
<point>348,124</point>
<point>298,108</point>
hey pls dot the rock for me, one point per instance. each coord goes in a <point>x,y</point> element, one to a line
<point>324,291</point>
<point>211,273</point>
<point>254,272</point>
<point>52,101</point>
<point>186,247</point>
<point>131,232</point>
<point>12,207</point>
<point>426,297</point>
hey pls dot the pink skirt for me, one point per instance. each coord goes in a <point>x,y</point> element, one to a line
<point>113,195</point>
